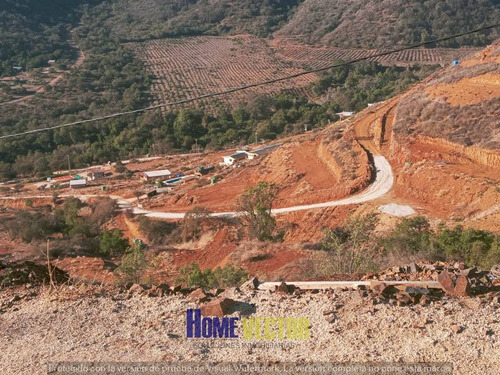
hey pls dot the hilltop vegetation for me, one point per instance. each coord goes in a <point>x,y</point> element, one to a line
<point>351,24</point>
<point>146,19</point>
<point>378,24</point>
<point>35,31</point>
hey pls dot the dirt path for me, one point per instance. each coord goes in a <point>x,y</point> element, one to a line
<point>52,82</point>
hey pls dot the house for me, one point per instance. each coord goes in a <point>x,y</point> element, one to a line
<point>77,184</point>
<point>230,159</point>
<point>96,174</point>
<point>156,175</point>
<point>17,68</point>
<point>50,62</point>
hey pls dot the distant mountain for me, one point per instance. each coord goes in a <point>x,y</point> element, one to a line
<point>384,23</point>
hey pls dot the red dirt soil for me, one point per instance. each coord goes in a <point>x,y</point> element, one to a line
<point>468,90</point>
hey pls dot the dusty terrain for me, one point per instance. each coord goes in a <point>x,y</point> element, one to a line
<point>71,325</point>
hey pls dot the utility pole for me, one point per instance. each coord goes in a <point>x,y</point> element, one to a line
<point>256,139</point>
<point>69,164</point>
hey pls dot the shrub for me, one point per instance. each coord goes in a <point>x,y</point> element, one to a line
<point>103,209</point>
<point>352,247</point>
<point>191,226</point>
<point>156,231</point>
<point>411,237</point>
<point>112,243</point>
<point>224,277</point>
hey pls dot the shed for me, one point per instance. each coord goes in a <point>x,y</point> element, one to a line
<point>156,175</point>
<point>77,184</point>
<point>230,159</point>
<point>262,150</point>
<point>96,174</point>
<point>345,114</point>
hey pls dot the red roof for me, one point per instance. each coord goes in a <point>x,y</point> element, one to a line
<point>63,178</point>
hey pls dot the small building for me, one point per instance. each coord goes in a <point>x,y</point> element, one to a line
<point>61,178</point>
<point>231,159</point>
<point>51,62</point>
<point>17,68</point>
<point>261,151</point>
<point>156,175</point>
<point>344,115</point>
<point>96,174</point>
<point>77,184</point>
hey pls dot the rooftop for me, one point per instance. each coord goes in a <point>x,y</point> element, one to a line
<point>77,182</point>
<point>238,155</point>
<point>163,172</point>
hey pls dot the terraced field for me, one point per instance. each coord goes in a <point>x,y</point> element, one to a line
<point>190,67</point>
<point>194,66</point>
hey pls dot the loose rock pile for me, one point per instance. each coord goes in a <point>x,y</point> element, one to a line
<point>454,279</point>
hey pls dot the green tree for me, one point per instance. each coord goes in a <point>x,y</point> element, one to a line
<point>412,236</point>
<point>112,243</point>
<point>133,264</point>
<point>255,207</point>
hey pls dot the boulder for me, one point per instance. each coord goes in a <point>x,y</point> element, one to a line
<point>198,295</point>
<point>218,307</point>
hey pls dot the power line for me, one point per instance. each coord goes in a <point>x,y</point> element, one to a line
<point>250,85</point>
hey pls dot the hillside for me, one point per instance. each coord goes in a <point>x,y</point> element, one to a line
<point>376,24</point>
<point>349,24</point>
<point>460,104</point>
<point>148,19</point>
<point>35,31</point>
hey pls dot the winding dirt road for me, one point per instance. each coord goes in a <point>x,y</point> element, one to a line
<point>382,184</point>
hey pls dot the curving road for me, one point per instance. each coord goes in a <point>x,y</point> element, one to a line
<point>384,179</point>
<point>383,183</point>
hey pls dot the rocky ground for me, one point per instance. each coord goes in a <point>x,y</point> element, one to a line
<point>82,323</point>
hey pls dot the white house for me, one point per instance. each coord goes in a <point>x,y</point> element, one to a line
<point>344,114</point>
<point>77,184</point>
<point>156,175</point>
<point>231,159</point>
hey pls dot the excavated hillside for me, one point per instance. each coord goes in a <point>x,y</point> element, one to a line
<point>461,104</point>
<point>442,139</point>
